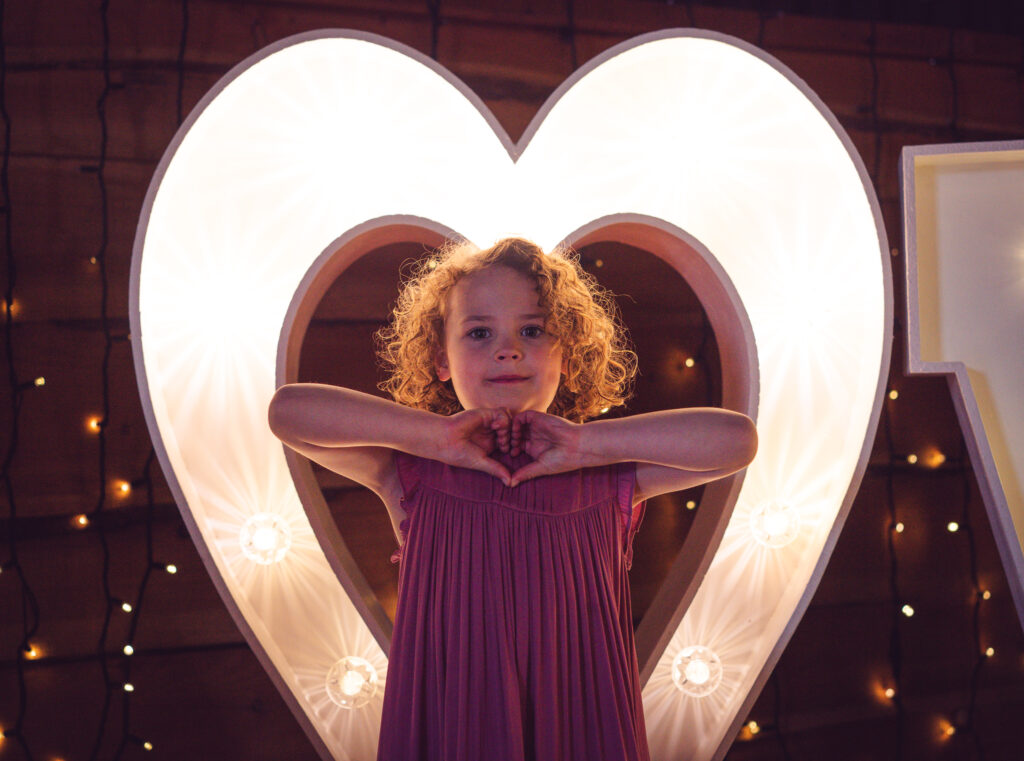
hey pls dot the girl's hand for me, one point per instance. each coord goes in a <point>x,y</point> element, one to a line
<point>552,442</point>
<point>471,435</point>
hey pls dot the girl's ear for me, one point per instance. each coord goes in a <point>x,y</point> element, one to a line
<point>441,366</point>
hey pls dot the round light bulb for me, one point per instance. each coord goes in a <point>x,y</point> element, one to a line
<point>952,527</point>
<point>126,607</point>
<point>774,523</point>
<point>690,362</point>
<point>912,459</point>
<point>128,650</point>
<point>890,693</point>
<point>265,538</point>
<point>899,527</point>
<point>753,727</point>
<point>124,487</point>
<point>129,687</point>
<point>351,682</point>
<point>894,395</point>
<point>697,671</point>
<point>40,381</point>
<point>986,595</point>
<point>171,568</point>
<point>691,504</point>
<point>147,745</point>
<point>80,521</point>
<point>989,652</point>
<point>907,611</point>
<point>92,423</point>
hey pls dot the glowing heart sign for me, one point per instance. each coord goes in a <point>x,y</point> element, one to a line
<point>697,146</point>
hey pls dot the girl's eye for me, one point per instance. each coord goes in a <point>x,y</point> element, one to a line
<point>479,333</point>
<point>533,331</point>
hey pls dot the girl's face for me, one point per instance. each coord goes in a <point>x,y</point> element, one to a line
<point>497,352</point>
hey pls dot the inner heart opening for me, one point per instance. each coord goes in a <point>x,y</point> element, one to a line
<point>331,340</point>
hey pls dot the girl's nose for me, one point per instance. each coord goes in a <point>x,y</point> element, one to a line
<point>509,352</point>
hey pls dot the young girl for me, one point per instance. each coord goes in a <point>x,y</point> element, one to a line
<point>513,635</point>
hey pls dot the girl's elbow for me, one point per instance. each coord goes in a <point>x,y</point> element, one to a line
<point>279,415</point>
<point>747,448</point>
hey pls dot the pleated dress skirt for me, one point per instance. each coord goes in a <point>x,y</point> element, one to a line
<point>513,637</point>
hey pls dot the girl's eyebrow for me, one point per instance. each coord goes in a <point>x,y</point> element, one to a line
<point>486,317</point>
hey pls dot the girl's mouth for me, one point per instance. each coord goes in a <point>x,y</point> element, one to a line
<point>507,379</point>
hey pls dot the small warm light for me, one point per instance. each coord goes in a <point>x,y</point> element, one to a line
<point>907,611</point>
<point>986,595</point>
<point>753,726</point>
<point>933,458</point>
<point>599,262</point>
<point>604,410</point>
<point>948,730</point>
<point>989,652</point>
<point>128,650</point>
<point>126,607</point>
<point>171,568</point>
<point>80,521</point>
<point>894,395</point>
<point>952,527</point>
<point>774,524</point>
<point>899,527</point>
<point>432,264</point>
<point>15,307</point>
<point>129,687</point>
<point>691,504</point>
<point>690,362</point>
<point>40,381</point>
<point>351,682</point>
<point>912,459</point>
<point>32,652</point>
<point>123,488</point>
<point>265,538</point>
<point>890,693</point>
<point>92,423</point>
<point>147,745</point>
<point>93,260</point>
<point>697,671</point>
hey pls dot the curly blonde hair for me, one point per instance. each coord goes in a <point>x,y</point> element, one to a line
<point>600,365</point>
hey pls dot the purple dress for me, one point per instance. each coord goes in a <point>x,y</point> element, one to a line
<point>513,636</point>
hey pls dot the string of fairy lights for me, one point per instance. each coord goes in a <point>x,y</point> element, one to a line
<point>116,659</point>
<point>17,390</point>
<point>113,658</point>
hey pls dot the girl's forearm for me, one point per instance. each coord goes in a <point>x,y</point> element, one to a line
<point>332,416</point>
<point>697,439</point>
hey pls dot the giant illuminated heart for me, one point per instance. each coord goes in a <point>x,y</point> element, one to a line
<point>698,146</point>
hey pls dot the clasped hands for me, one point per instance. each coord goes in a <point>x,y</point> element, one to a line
<point>473,435</point>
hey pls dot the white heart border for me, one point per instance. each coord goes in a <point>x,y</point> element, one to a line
<point>213,535</point>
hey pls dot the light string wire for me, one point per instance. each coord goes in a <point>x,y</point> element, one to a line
<point>570,34</point>
<point>29,603</point>
<point>434,9</point>
<point>146,479</point>
<point>980,657</point>
<point>108,342</point>
<point>895,605</point>
<point>954,117</point>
